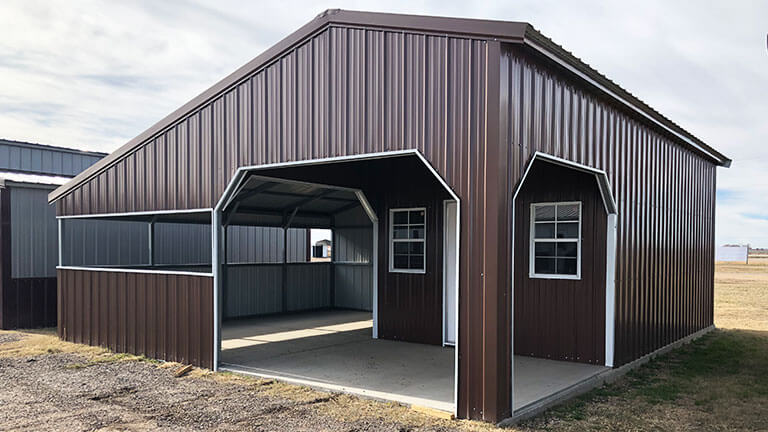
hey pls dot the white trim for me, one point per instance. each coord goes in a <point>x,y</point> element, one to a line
<point>393,240</point>
<point>628,104</point>
<point>532,243</point>
<point>140,213</point>
<point>375,255</point>
<point>216,233</point>
<point>367,156</point>
<point>129,270</point>
<point>611,209</point>
<point>446,246</point>
<point>60,230</point>
<point>610,288</point>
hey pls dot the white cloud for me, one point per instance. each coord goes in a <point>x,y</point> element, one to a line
<point>93,74</point>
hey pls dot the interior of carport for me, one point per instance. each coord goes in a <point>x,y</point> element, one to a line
<point>318,323</point>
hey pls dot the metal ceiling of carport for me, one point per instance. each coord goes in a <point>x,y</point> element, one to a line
<point>271,201</point>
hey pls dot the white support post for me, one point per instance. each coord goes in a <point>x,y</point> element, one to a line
<point>610,288</point>
<point>216,270</point>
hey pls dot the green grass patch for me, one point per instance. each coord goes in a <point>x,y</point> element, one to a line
<point>721,368</point>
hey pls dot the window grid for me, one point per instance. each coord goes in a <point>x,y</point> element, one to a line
<point>558,243</point>
<point>407,240</point>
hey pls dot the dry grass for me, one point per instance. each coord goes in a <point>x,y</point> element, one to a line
<point>741,295</point>
<point>33,343</point>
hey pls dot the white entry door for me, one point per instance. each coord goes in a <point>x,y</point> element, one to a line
<point>450,271</point>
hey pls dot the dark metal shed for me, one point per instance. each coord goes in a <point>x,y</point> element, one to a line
<point>28,238</point>
<point>479,104</point>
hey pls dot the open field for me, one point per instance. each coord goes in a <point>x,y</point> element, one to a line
<point>719,382</point>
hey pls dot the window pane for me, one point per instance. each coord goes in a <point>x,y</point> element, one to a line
<point>566,266</point>
<point>545,230</point>
<point>417,232</point>
<point>568,230</point>
<point>545,249</point>
<point>544,266</point>
<point>400,217</point>
<point>566,249</point>
<point>401,262</point>
<point>416,248</point>
<point>417,217</point>
<point>401,248</point>
<point>400,233</point>
<point>568,212</point>
<point>545,213</point>
<point>417,262</point>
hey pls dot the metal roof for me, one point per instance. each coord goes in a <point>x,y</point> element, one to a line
<point>59,149</point>
<point>510,32</point>
<point>9,177</point>
<point>270,201</point>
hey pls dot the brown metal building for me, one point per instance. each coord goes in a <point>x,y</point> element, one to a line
<point>585,218</point>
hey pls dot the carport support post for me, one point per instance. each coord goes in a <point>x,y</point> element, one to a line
<point>284,290</point>
<point>332,283</point>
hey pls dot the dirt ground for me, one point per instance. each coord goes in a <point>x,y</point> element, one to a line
<point>50,385</point>
<point>719,382</point>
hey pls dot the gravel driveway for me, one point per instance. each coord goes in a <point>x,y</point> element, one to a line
<point>67,392</point>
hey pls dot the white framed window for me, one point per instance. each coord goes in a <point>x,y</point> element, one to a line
<point>555,249</point>
<point>407,240</point>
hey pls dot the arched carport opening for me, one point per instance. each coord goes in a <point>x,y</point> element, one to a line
<point>380,318</point>
<point>564,251</point>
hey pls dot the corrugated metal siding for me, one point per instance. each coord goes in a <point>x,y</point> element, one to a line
<point>104,242</point>
<point>253,290</point>
<point>308,286</point>
<point>29,303</point>
<point>371,90</point>
<point>561,319</point>
<point>34,236</point>
<point>182,243</point>
<point>41,160</point>
<point>264,244</point>
<point>665,195</point>
<point>353,268</point>
<point>100,242</point>
<point>257,289</point>
<point>168,317</point>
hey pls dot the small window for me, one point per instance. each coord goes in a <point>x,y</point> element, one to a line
<point>555,240</point>
<point>407,245</point>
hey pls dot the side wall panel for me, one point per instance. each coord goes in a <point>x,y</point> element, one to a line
<point>169,317</point>
<point>665,195</point>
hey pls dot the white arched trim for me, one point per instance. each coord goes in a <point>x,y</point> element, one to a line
<point>241,175</point>
<point>611,210</point>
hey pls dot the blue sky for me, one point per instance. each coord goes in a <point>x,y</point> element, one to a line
<point>93,75</point>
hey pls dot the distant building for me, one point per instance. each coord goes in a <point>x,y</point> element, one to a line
<point>322,249</point>
<point>28,232</point>
<point>732,253</point>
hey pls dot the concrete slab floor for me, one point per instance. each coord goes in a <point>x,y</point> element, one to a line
<point>335,350</point>
<point>537,378</point>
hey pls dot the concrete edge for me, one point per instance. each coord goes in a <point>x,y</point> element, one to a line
<point>419,404</point>
<point>609,376</point>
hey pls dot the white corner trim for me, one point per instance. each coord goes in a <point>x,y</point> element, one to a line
<point>610,289</point>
